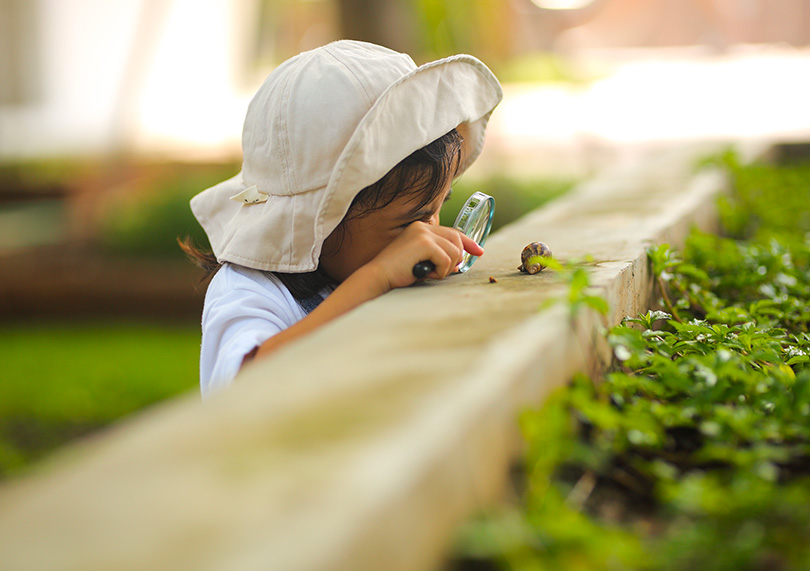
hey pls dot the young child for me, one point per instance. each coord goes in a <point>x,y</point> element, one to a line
<point>348,154</point>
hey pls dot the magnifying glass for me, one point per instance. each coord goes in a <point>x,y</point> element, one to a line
<point>475,221</point>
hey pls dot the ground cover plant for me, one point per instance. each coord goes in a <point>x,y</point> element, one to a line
<point>64,381</point>
<point>693,452</point>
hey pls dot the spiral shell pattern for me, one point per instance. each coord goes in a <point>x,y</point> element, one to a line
<point>531,258</point>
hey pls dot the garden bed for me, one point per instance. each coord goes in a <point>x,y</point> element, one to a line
<point>694,450</point>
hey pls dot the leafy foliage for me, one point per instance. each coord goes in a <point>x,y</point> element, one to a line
<point>64,381</point>
<point>147,220</point>
<point>694,451</point>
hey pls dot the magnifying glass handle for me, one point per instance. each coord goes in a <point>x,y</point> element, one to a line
<point>422,269</point>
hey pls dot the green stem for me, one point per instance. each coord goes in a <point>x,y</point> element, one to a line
<point>667,302</point>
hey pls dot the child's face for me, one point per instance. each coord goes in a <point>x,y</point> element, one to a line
<point>366,236</point>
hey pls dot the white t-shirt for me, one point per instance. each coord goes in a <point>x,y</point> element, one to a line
<point>243,308</point>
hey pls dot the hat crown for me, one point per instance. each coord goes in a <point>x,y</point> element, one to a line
<point>307,109</point>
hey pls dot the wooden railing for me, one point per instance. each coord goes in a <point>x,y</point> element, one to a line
<point>363,446</point>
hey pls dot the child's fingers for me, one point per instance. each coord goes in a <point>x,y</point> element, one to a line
<point>441,249</point>
<point>453,246</point>
<point>443,265</point>
<point>462,241</point>
<point>471,246</point>
<point>441,245</point>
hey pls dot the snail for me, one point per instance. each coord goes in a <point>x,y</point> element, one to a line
<point>532,257</point>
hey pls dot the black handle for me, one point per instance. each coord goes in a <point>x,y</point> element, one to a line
<point>422,269</point>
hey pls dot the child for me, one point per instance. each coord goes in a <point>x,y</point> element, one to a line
<point>348,154</point>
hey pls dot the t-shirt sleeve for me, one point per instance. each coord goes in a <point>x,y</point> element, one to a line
<point>243,308</point>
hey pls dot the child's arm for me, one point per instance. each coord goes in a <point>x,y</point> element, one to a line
<point>391,268</point>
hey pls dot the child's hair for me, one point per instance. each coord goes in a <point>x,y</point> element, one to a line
<point>423,174</point>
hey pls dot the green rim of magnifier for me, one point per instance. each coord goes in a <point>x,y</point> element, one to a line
<point>475,221</point>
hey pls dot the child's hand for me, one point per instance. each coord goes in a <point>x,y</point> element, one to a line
<point>441,245</point>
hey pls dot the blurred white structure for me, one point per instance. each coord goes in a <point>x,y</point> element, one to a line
<point>650,101</point>
<point>84,76</point>
<point>175,76</point>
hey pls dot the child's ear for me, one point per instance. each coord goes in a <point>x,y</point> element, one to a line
<point>464,131</point>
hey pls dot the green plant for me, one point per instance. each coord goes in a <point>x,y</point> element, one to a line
<point>64,381</point>
<point>147,221</point>
<point>694,451</point>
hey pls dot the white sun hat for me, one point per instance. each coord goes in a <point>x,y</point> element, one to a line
<point>324,125</point>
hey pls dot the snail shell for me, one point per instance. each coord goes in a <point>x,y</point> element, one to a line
<point>531,258</point>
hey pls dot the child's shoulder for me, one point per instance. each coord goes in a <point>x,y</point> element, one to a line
<point>236,290</point>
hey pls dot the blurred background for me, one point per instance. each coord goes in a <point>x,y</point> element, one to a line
<point>113,113</point>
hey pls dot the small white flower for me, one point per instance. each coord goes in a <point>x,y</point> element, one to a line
<point>657,315</point>
<point>622,353</point>
<point>785,280</point>
<point>767,290</point>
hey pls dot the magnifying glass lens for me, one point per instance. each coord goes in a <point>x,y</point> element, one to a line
<point>475,221</point>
